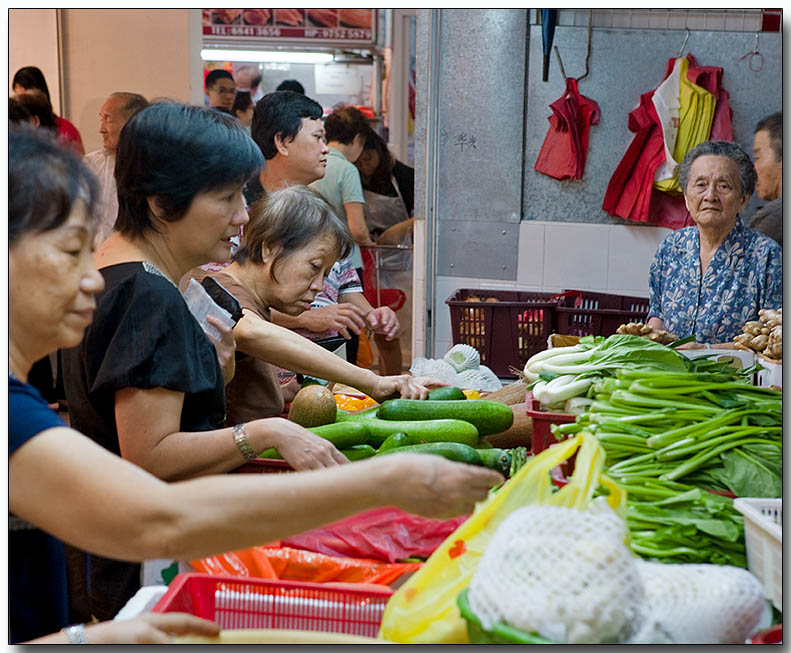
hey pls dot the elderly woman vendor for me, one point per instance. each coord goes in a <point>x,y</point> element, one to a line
<point>708,280</point>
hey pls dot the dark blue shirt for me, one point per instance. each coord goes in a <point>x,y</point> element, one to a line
<point>37,581</point>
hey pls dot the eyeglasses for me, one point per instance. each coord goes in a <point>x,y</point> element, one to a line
<point>224,90</point>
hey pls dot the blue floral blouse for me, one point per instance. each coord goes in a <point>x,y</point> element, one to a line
<point>745,275</point>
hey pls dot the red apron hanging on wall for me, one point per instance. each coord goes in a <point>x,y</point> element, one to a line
<point>630,193</point>
<point>565,147</point>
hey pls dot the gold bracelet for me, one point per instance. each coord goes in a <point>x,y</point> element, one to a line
<point>240,438</point>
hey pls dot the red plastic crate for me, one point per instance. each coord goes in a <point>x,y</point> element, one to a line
<point>542,422</point>
<point>598,314</point>
<point>506,332</point>
<point>237,603</point>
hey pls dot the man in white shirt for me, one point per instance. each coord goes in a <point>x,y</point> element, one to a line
<point>113,115</point>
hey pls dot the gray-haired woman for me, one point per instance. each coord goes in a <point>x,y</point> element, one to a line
<point>708,280</point>
<point>291,242</point>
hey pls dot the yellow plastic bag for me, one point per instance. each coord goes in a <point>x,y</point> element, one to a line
<point>424,610</point>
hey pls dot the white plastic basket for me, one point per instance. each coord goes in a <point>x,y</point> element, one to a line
<point>763,534</point>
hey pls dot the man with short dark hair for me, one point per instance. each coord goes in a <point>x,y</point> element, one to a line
<point>768,160</point>
<point>287,127</point>
<point>113,115</point>
<point>220,89</point>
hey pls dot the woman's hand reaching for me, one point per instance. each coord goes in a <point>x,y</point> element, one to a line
<point>148,628</point>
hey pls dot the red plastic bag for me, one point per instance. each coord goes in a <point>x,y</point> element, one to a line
<point>285,563</point>
<point>386,534</point>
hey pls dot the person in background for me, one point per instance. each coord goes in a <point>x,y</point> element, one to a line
<point>220,89</point>
<point>768,158</point>
<point>287,127</point>
<point>30,79</point>
<point>17,113</point>
<point>248,78</point>
<point>292,240</point>
<point>710,279</point>
<point>346,129</point>
<point>146,382</point>
<point>63,485</point>
<point>39,111</point>
<point>243,108</point>
<point>113,115</point>
<point>388,189</point>
<point>291,85</point>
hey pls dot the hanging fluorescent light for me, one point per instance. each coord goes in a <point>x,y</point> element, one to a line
<point>265,56</point>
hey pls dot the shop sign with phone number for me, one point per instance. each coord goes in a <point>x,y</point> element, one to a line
<point>358,25</point>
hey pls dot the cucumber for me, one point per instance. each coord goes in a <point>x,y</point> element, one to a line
<point>497,459</point>
<point>457,451</point>
<point>395,440</point>
<point>445,393</point>
<point>359,452</point>
<point>433,430</point>
<point>487,416</point>
<point>343,434</point>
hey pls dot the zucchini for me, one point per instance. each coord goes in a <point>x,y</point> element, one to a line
<point>433,430</point>
<point>358,452</point>
<point>487,416</point>
<point>497,459</point>
<point>343,434</point>
<point>395,440</point>
<point>456,451</point>
<point>445,393</point>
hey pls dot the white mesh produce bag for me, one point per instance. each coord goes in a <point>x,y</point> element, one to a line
<point>698,604</point>
<point>436,369</point>
<point>463,357</point>
<point>480,379</point>
<point>562,573</point>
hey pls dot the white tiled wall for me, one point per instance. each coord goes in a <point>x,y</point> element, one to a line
<point>554,256</point>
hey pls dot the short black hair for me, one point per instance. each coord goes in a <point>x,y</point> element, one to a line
<point>773,124</point>
<point>45,181</point>
<point>281,113</point>
<point>291,85</point>
<point>173,152</point>
<point>343,124</point>
<point>215,75</point>
<point>242,102</point>
<point>17,112</point>
<point>30,77</point>
<point>40,107</point>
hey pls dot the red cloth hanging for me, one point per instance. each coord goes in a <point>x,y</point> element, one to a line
<point>630,193</point>
<point>565,146</point>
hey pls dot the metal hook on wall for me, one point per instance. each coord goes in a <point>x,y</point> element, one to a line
<point>587,56</point>
<point>684,44</point>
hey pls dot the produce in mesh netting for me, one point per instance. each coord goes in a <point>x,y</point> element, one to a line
<point>435,368</point>
<point>463,357</point>
<point>566,575</point>
<point>698,604</point>
<point>559,572</point>
<point>481,378</point>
